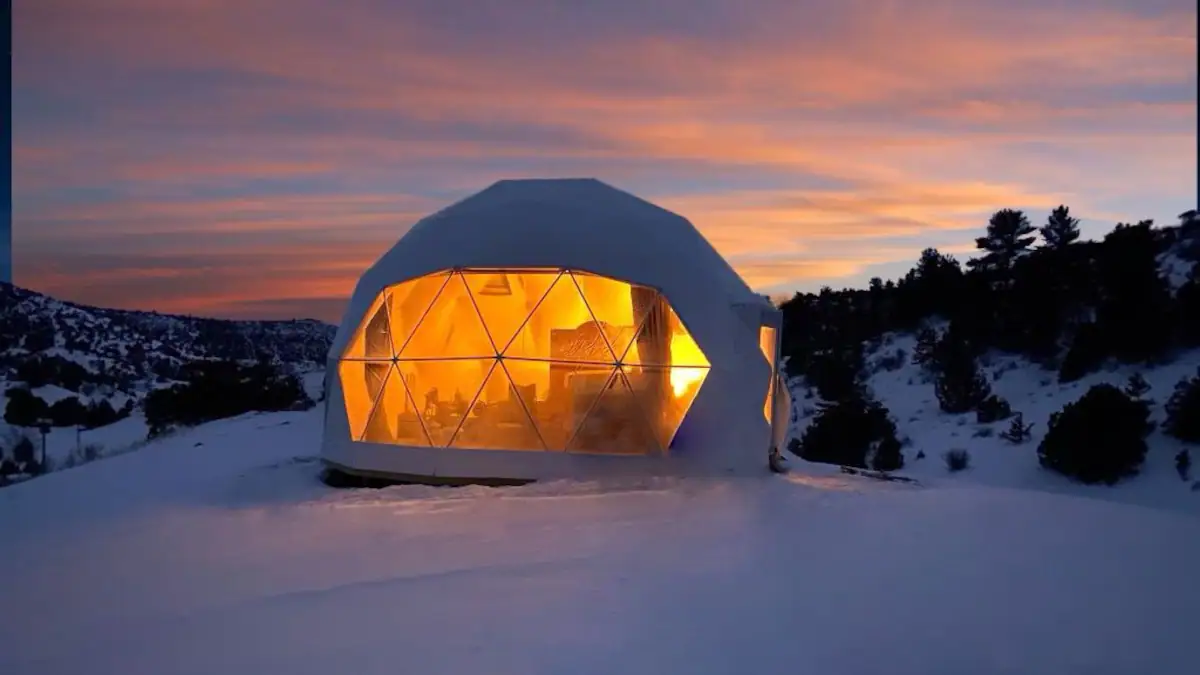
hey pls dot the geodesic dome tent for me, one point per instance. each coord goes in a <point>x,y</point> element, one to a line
<point>552,328</point>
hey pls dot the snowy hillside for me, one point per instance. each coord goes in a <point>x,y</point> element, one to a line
<point>218,551</point>
<point>63,352</point>
<point>102,352</point>
<point>1035,393</point>
<point>68,446</point>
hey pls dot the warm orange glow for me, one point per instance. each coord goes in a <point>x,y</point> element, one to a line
<point>685,350</point>
<point>521,360</point>
<point>766,342</point>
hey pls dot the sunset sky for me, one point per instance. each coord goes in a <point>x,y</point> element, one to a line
<point>250,158</point>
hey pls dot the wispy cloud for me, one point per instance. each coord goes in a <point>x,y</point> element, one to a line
<point>812,142</point>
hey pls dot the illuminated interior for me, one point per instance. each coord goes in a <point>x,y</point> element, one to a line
<point>521,359</point>
<point>766,342</point>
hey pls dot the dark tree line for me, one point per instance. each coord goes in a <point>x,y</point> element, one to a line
<point>26,409</point>
<point>1067,304</point>
<point>218,389</point>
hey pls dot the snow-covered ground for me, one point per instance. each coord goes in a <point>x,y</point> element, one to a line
<point>217,551</point>
<point>1036,394</point>
<point>122,436</point>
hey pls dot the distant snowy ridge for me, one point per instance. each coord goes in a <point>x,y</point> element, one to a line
<point>60,351</point>
<point>85,350</point>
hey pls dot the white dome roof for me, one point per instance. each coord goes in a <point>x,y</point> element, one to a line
<point>580,224</point>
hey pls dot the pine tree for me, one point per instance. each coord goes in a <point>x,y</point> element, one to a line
<point>1183,410</point>
<point>1008,236</point>
<point>960,387</point>
<point>1137,386</point>
<point>1187,310</point>
<point>1060,230</point>
<point>926,348</point>
<point>1134,312</point>
<point>846,431</point>
<point>1018,431</point>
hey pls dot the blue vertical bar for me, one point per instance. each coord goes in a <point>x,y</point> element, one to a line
<point>6,224</point>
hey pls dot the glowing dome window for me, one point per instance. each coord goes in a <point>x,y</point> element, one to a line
<point>521,359</point>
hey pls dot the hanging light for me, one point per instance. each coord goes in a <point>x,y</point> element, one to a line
<point>497,284</point>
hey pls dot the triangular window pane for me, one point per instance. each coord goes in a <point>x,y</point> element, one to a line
<point>766,342</point>
<point>557,395</point>
<point>561,328</point>
<point>619,307</point>
<point>408,302</point>
<point>362,382</point>
<point>443,391</point>
<point>497,419</point>
<point>665,395</point>
<point>505,299</point>
<point>371,339</point>
<point>615,424</point>
<point>451,328</point>
<point>663,340</point>
<point>395,419</point>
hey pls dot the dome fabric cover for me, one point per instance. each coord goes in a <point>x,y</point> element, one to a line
<point>574,228</point>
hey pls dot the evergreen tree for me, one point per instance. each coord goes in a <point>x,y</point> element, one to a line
<point>932,288</point>
<point>1183,410</point>
<point>1134,314</point>
<point>1018,432</point>
<point>848,431</point>
<point>960,387</point>
<point>1137,387</point>
<point>1086,354</point>
<point>925,350</point>
<point>1187,310</point>
<point>1101,438</point>
<point>1060,230</point>
<point>25,409</point>
<point>1009,234</point>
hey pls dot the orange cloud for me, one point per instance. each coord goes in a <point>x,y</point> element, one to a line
<point>808,141</point>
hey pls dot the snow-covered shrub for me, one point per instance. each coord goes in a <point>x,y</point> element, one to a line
<point>25,408</point>
<point>888,455</point>
<point>1183,410</point>
<point>68,412</point>
<point>1101,438</point>
<point>992,409</point>
<point>957,460</point>
<point>1137,386</point>
<point>848,432</point>
<point>1018,432</point>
